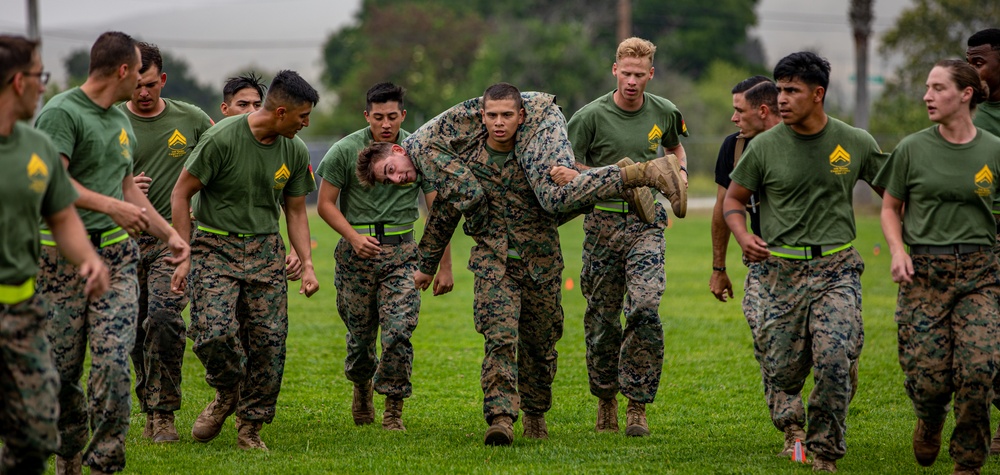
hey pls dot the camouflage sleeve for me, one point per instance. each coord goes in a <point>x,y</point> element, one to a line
<point>441,223</point>
<point>438,149</point>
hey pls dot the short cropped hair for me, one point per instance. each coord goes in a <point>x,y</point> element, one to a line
<point>241,82</point>
<point>501,91</point>
<point>15,55</point>
<point>368,158</point>
<point>757,91</point>
<point>289,89</point>
<point>111,50</point>
<point>635,47</point>
<point>805,66</point>
<point>384,92</point>
<point>989,36</point>
<point>150,57</point>
<point>965,76</point>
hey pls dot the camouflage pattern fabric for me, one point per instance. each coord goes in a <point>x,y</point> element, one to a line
<point>785,409</point>
<point>245,352</point>
<point>949,322</point>
<point>521,320</point>
<point>379,293</point>
<point>159,342</point>
<point>996,381</point>
<point>444,147</point>
<point>810,319</point>
<point>29,389</point>
<point>623,257</point>
<point>108,326</point>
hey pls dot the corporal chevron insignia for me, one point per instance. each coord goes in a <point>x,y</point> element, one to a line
<point>38,173</point>
<point>177,143</point>
<point>281,177</point>
<point>840,160</point>
<point>984,181</point>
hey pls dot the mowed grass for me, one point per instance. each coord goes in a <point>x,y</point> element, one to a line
<point>709,415</point>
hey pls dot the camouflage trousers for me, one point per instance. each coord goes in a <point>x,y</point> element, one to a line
<point>29,389</point>
<point>996,381</point>
<point>521,321</point>
<point>785,409</point>
<point>810,319</point>
<point>949,336</point>
<point>623,261</point>
<point>159,340</point>
<point>379,293</point>
<point>108,325</point>
<point>244,352</point>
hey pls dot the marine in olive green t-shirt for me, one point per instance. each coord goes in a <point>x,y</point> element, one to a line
<point>602,133</point>
<point>807,181</point>
<point>988,117</point>
<point>244,179</point>
<point>98,143</point>
<point>37,186</point>
<point>948,188</point>
<point>378,204</point>
<point>164,143</point>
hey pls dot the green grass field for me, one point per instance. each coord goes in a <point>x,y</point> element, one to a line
<point>709,415</point>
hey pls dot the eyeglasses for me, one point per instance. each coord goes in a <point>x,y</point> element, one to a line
<point>43,76</point>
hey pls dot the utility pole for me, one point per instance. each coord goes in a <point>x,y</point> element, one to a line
<point>624,19</point>
<point>33,32</point>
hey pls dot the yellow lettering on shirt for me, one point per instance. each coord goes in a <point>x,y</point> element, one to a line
<point>984,181</point>
<point>281,177</point>
<point>177,143</point>
<point>840,160</point>
<point>38,173</point>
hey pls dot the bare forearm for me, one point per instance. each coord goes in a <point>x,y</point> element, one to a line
<point>158,226</point>
<point>298,232</point>
<point>720,235</point>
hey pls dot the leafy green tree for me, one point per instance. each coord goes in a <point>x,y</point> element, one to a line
<point>928,31</point>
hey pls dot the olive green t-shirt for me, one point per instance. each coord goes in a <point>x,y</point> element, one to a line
<point>988,117</point>
<point>98,142</point>
<point>37,185</point>
<point>164,142</point>
<point>948,188</point>
<point>378,204</point>
<point>602,133</point>
<point>807,181</point>
<point>244,179</point>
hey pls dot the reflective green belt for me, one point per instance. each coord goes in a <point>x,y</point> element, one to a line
<point>12,294</point>
<point>382,229</point>
<point>807,252</point>
<point>98,239</point>
<point>513,254</point>
<point>613,206</point>
<point>224,233</point>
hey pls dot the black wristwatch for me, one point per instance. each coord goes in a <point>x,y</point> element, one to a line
<point>685,170</point>
<point>719,269</point>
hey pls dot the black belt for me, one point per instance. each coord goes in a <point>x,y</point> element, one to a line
<point>954,249</point>
<point>395,238</point>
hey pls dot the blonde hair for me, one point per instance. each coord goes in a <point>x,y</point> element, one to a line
<point>635,47</point>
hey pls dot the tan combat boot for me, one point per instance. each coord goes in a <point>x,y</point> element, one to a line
<point>363,407</point>
<point>501,431</point>
<point>635,417</point>
<point>163,428</point>
<point>664,174</point>
<point>147,430</point>
<point>534,426</point>
<point>69,466</point>
<point>964,470</point>
<point>821,464</point>
<point>607,415</point>
<point>793,432</point>
<point>209,422</point>
<point>248,435</point>
<point>927,442</point>
<point>392,418</point>
<point>640,200</point>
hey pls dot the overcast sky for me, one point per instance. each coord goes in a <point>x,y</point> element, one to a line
<point>221,37</point>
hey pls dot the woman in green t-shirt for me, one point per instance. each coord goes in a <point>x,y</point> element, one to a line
<point>947,308</point>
